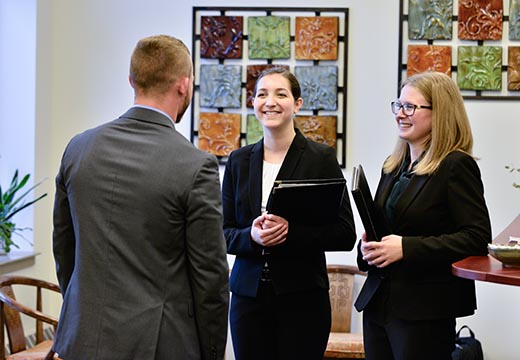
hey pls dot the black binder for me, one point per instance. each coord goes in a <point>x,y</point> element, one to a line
<point>365,204</point>
<point>315,201</point>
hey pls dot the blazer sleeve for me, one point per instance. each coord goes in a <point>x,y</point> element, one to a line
<point>207,265</point>
<point>470,229</point>
<point>64,241</point>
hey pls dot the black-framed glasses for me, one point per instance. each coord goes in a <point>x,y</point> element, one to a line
<point>408,109</point>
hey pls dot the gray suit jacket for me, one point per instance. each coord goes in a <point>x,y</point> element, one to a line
<point>138,244</point>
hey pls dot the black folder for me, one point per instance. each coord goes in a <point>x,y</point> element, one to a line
<point>365,204</point>
<point>315,201</point>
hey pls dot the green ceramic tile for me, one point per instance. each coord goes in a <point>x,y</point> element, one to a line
<point>254,131</point>
<point>479,67</point>
<point>269,37</point>
<point>430,19</point>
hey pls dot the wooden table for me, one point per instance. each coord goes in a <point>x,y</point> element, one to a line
<point>486,268</point>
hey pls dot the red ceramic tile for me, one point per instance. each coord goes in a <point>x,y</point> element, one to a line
<point>480,19</point>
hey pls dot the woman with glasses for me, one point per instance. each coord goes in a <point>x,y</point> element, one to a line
<point>431,197</point>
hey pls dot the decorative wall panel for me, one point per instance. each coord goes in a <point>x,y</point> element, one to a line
<point>220,86</point>
<point>479,67</point>
<point>221,37</point>
<point>514,20</point>
<point>428,57</point>
<point>513,71</point>
<point>269,37</point>
<point>321,129</point>
<point>473,41</point>
<point>316,38</point>
<point>480,19</point>
<point>430,20</point>
<point>219,133</point>
<point>319,86</point>
<point>232,45</point>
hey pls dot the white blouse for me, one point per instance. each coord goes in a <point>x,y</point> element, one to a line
<point>269,173</point>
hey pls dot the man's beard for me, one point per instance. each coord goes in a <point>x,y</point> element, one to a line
<point>183,109</point>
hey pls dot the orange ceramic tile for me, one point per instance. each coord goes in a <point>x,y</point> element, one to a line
<point>513,69</point>
<point>423,58</point>
<point>316,38</point>
<point>322,129</point>
<point>219,133</point>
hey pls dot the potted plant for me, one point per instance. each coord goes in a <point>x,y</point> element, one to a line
<point>11,205</point>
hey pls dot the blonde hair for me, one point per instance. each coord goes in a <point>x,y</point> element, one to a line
<point>451,130</point>
<point>157,62</point>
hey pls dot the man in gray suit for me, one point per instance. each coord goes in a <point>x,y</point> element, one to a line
<point>138,242</point>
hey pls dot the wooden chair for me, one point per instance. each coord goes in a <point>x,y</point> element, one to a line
<point>342,343</point>
<point>10,314</point>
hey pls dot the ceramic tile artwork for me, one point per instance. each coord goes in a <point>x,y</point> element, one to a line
<point>316,38</point>
<point>480,19</point>
<point>322,129</point>
<point>219,133</point>
<point>269,37</point>
<point>428,57</point>
<point>514,20</point>
<point>513,69</point>
<point>319,86</point>
<point>479,67</point>
<point>220,86</point>
<point>221,37</point>
<point>430,19</point>
<point>254,131</point>
<point>253,71</point>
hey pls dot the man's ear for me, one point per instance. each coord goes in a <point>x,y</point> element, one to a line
<point>183,85</point>
<point>131,81</point>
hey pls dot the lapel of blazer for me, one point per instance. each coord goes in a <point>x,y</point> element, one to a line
<point>409,194</point>
<point>256,164</point>
<point>293,157</point>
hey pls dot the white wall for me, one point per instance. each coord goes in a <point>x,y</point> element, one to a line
<point>83,50</point>
<point>17,98</point>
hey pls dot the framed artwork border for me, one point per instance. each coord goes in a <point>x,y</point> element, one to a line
<point>244,61</point>
<point>455,42</point>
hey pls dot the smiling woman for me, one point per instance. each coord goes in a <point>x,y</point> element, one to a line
<point>271,248</point>
<point>431,197</point>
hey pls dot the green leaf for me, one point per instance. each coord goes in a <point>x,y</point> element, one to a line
<point>11,204</point>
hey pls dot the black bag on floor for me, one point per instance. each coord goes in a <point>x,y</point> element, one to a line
<point>467,348</point>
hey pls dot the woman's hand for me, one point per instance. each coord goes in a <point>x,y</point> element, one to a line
<point>269,230</point>
<point>382,253</point>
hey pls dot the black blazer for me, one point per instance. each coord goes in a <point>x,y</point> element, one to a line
<point>443,218</point>
<point>299,263</point>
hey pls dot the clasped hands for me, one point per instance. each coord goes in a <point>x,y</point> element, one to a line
<point>382,253</point>
<point>269,230</point>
